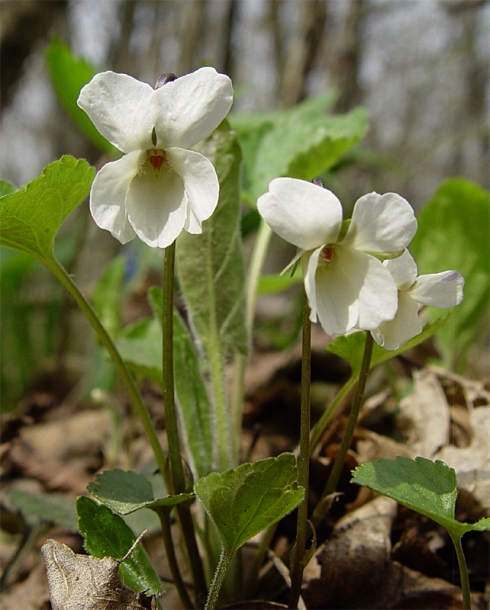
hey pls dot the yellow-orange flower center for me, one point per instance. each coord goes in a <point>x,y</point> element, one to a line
<point>156,157</point>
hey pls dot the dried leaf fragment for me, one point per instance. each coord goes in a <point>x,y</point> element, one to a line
<point>83,582</point>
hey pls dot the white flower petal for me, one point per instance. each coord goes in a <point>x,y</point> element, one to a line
<point>403,269</point>
<point>108,196</point>
<point>381,224</point>
<point>157,207</point>
<point>372,283</point>
<point>302,213</point>
<point>121,108</point>
<point>443,289</point>
<point>191,107</point>
<point>406,324</point>
<point>200,183</point>
<point>331,295</point>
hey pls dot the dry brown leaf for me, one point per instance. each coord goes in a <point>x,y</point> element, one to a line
<point>353,569</point>
<point>83,582</point>
<point>424,415</point>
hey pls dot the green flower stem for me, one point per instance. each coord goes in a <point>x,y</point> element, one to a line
<point>299,550</point>
<point>463,570</point>
<point>218,579</point>
<point>164,516</point>
<point>171,423</point>
<point>240,364</point>
<point>349,431</point>
<point>139,407</point>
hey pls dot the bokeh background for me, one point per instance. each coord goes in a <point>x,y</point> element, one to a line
<point>420,67</point>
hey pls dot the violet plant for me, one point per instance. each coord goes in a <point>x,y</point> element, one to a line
<point>358,276</point>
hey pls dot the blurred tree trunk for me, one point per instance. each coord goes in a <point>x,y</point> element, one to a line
<point>191,35</point>
<point>22,24</point>
<point>345,66</point>
<point>303,51</point>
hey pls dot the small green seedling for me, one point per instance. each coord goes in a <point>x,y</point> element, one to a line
<point>244,501</point>
<point>430,488</point>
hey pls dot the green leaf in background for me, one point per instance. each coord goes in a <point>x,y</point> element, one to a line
<point>210,266</point>
<point>421,485</point>
<point>140,347</point>
<point>6,188</point>
<point>453,234</point>
<point>245,500</point>
<point>107,535</point>
<point>106,296</point>
<point>55,508</point>
<point>126,492</point>
<point>351,347</point>
<point>68,75</point>
<point>31,217</point>
<point>192,396</point>
<point>300,142</point>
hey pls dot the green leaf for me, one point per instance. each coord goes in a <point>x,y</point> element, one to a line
<point>192,397</point>
<point>245,500</point>
<point>68,75</point>
<point>482,525</point>
<point>141,349</point>
<point>106,296</point>
<point>107,535</point>
<point>453,234</point>
<point>126,492</point>
<point>351,347</point>
<point>271,284</point>
<point>6,188</point>
<point>422,485</point>
<point>123,491</point>
<point>300,142</point>
<point>427,487</point>
<point>54,508</point>
<point>210,266</point>
<point>31,217</point>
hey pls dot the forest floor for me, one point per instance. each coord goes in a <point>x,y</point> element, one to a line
<point>371,553</point>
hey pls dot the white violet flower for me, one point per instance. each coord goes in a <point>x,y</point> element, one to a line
<point>347,286</point>
<point>159,186</point>
<point>442,290</point>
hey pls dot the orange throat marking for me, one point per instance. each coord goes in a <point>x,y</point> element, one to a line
<point>327,253</point>
<point>156,161</point>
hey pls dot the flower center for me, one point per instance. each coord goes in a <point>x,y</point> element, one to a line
<point>156,157</point>
<point>327,253</point>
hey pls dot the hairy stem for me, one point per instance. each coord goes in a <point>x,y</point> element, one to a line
<point>171,423</point>
<point>219,577</point>
<point>164,516</point>
<point>297,560</point>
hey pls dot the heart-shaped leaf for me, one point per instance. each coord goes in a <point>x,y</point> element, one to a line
<point>245,500</point>
<point>421,485</point>
<point>31,217</point>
